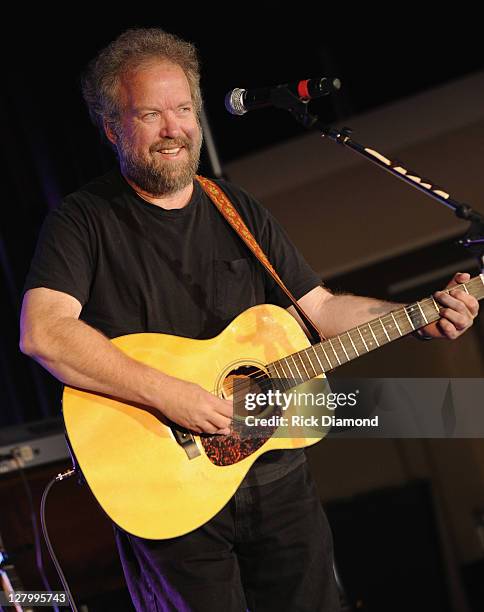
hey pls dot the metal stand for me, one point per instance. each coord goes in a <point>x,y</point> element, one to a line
<point>473,240</point>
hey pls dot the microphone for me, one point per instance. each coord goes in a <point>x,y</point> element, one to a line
<point>240,101</point>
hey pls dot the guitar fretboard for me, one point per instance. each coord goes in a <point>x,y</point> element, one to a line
<point>328,355</point>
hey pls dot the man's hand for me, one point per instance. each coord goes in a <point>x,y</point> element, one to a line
<point>190,406</point>
<point>460,310</point>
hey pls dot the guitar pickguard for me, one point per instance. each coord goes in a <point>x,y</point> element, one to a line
<point>226,450</point>
<point>244,440</point>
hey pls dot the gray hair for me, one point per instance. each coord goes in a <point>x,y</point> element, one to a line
<point>100,83</point>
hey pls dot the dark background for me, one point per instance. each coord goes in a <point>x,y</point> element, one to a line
<point>49,148</point>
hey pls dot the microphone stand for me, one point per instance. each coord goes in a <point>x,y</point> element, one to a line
<point>473,239</point>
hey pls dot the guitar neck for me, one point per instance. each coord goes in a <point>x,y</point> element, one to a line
<point>328,355</point>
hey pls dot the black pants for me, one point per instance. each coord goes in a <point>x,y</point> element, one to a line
<point>269,549</point>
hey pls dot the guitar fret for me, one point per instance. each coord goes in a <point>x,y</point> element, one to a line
<point>303,365</point>
<point>282,368</point>
<point>320,364</point>
<point>390,327</point>
<point>295,365</point>
<point>370,339</point>
<point>274,373</point>
<point>397,325</point>
<point>380,334</point>
<point>369,325</point>
<point>326,356</point>
<point>408,317</point>
<point>428,310</point>
<point>343,347</point>
<point>357,340</point>
<point>348,347</point>
<point>361,336</point>
<point>285,378</point>
<point>289,368</point>
<point>310,362</point>
<point>385,330</point>
<point>352,344</point>
<point>272,369</point>
<point>414,315</point>
<point>336,354</point>
<point>403,318</point>
<point>423,314</point>
<point>465,287</point>
<point>282,378</point>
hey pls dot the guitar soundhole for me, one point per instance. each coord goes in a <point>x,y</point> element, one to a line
<point>244,440</point>
<point>239,383</point>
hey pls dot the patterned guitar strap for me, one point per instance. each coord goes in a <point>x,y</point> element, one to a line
<point>227,209</point>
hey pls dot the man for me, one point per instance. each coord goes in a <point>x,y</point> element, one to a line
<point>143,249</point>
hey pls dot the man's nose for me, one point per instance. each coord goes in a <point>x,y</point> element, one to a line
<point>170,126</point>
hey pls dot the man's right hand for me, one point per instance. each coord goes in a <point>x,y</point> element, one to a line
<point>190,406</point>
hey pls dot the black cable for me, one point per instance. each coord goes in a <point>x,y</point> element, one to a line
<point>58,478</point>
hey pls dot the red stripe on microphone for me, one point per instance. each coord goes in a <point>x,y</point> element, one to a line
<point>302,89</point>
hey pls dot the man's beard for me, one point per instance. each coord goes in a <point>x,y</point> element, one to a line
<point>155,175</point>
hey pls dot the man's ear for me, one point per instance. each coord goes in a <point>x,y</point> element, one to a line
<point>110,133</point>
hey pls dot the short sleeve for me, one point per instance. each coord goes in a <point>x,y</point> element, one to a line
<point>64,256</point>
<point>289,263</point>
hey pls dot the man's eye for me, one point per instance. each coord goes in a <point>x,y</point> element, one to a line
<point>151,116</point>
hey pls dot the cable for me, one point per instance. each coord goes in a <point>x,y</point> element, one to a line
<point>58,478</point>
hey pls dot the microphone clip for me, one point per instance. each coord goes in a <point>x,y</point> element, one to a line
<point>283,97</point>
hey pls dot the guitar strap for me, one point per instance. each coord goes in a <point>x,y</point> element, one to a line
<point>227,209</point>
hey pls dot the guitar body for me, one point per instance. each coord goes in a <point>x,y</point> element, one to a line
<point>142,477</point>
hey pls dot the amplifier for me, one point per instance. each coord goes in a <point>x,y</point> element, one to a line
<point>32,444</point>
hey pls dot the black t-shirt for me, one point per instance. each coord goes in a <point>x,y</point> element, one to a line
<point>136,267</point>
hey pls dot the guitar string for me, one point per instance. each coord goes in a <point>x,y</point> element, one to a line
<point>385,319</point>
<point>261,374</point>
<point>266,382</point>
<point>241,386</point>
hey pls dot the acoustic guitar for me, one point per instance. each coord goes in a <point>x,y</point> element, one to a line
<point>156,480</point>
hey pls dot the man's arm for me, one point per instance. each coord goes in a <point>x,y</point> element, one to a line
<point>334,314</point>
<point>80,356</point>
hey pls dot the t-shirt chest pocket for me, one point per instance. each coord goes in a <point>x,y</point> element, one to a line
<point>235,289</point>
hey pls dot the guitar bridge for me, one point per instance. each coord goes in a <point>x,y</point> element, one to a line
<point>186,441</point>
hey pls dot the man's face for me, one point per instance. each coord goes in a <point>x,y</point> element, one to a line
<point>159,138</point>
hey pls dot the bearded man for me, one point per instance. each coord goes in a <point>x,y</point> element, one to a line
<point>143,249</point>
